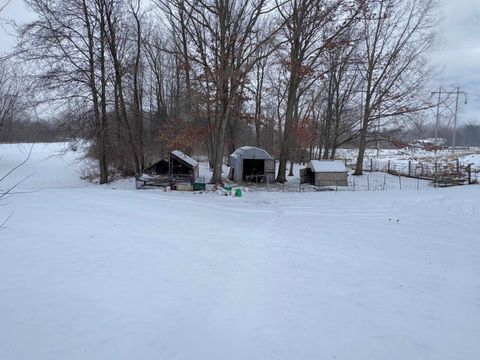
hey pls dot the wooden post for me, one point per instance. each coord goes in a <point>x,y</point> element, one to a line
<point>371,164</point>
<point>458,167</point>
<point>435,174</point>
<point>469,171</point>
<point>388,167</point>
<point>409,168</point>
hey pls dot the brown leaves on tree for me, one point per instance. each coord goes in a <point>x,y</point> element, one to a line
<point>179,134</point>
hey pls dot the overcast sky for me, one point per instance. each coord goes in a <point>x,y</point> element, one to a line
<point>457,54</point>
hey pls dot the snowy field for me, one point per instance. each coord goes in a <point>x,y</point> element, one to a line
<point>465,156</point>
<point>107,272</point>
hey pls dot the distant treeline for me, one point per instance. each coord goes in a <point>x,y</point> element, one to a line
<point>31,132</point>
<point>467,134</point>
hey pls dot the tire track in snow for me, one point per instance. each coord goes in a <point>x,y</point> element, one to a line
<point>237,323</point>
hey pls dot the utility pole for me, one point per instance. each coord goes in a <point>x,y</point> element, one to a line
<point>438,114</point>
<point>455,117</point>
<point>455,121</point>
<point>447,105</point>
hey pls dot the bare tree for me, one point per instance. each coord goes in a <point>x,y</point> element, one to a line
<point>258,89</point>
<point>135,10</point>
<point>224,45</point>
<point>9,93</point>
<point>115,34</point>
<point>396,34</point>
<point>66,45</point>
<point>341,84</point>
<point>311,26</point>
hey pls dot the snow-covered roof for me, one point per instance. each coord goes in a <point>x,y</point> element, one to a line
<point>251,150</point>
<point>185,158</point>
<point>327,166</point>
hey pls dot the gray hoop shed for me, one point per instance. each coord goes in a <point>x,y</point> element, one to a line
<point>250,163</point>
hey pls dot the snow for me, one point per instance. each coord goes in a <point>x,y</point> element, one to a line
<point>187,159</point>
<point>49,166</point>
<point>107,272</point>
<point>327,166</point>
<point>240,150</point>
<point>250,149</point>
<point>465,156</point>
<point>472,159</point>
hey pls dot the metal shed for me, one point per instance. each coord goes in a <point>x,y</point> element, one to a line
<point>249,163</point>
<point>325,173</point>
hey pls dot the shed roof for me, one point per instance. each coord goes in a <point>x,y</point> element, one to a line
<point>157,162</point>
<point>327,166</point>
<point>256,152</point>
<point>185,158</point>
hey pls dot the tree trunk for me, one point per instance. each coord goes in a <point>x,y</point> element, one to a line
<point>363,138</point>
<point>138,96</point>
<point>287,131</point>
<point>100,132</point>
<point>119,84</point>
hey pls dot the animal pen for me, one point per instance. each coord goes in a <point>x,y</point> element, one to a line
<point>252,164</point>
<point>447,173</point>
<point>177,170</point>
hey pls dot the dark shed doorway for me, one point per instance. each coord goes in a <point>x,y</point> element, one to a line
<point>252,168</point>
<point>309,177</point>
<point>158,168</point>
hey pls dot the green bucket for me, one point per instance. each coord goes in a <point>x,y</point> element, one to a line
<point>199,186</point>
<point>238,193</point>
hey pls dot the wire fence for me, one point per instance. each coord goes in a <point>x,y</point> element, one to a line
<point>446,173</point>
<point>381,175</point>
<point>369,181</point>
<point>374,181</point>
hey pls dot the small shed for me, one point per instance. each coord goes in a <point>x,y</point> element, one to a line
<point>325,173</point>
<point>174,168</point>
<point>182,167</point>
<point>249,163</point>
<point>161,167</point>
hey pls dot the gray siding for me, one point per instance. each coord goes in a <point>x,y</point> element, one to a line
<point>270,170</point>
<point>331,179</point>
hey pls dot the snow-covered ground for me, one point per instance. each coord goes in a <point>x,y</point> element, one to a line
<point>465,156</point>
<point>107,272</point>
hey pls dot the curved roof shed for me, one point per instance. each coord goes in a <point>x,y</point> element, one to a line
<point>249,163</point>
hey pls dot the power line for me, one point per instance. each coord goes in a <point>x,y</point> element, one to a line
<point>444,100</point>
